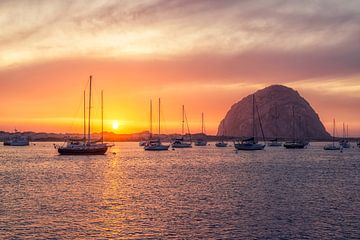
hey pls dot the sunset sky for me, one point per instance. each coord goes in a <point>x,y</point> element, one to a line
<point>206,55</point>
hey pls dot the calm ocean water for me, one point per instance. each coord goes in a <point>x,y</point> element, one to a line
<point>203,192</point>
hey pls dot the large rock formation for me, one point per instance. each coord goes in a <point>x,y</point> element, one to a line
<point>275,105</point>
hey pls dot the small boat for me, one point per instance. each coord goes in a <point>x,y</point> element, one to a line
<point>17,140</point>
<point>221,144</point>
<point>142,143</point>
<point>345,142</point>
<point>274,142</point>
<point>295,143</point>
<point>358,144</point>
<point>332,146</point>
<point>201,141</point>
<point>81,148</point>
<point>155,144</point>
<point>180,142</point>
<point>251,144</point>
<point>86,146</point>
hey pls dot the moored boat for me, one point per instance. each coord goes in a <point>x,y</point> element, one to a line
<point>200,142</point>
<point>180,142</point>
<point>155,144</point>
<point>142,143</point>
<point>17,140</point>
<point>221,143</point>
<point>86,146</point>
<point>296,142</point>
<point>251,144</point>
<point>274,143</point>
<point>344,143</point>
<point>332,146</point>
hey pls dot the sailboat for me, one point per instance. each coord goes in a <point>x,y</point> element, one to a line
<point>201,141</point>
<point>86,147</point>
<point>332,146</point>
<point>295,143</point>
<point>274,142</point>
<point>251,144</point>
<point>222,143</point>
<point>155,144</point>
<point>17,140</point>
<point>180,142</point>
<point>344,142</point>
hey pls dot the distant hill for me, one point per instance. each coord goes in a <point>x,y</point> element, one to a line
<point>108,136</point>
<point>55,137</point>
<point>275,104</point>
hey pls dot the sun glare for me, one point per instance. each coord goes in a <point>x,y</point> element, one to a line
<point>115,124</point>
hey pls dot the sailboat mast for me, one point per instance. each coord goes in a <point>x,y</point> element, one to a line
<point>202,123</point>
<point>276,122</point>
<point>159,118</point>
<point>89,140</point>
<point>333,132</point>
<point>223,128</point>
<point>84,118</point>
<point>150,119</point>
<point>293,122</point>
<point>183,121</point>
<point>347,130</point>
<point>102,117</point>
<point>253,115</point>
<point>299,129</point>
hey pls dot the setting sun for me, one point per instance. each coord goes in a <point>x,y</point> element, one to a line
<point>115,124</point>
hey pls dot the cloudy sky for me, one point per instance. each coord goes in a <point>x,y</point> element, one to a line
<point>204,54</point>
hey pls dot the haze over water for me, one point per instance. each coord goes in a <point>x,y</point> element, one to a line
<point>194,193</point>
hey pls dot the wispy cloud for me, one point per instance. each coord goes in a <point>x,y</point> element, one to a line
<point>57,29</point>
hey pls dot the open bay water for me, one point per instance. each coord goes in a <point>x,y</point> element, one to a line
<point>203,192</point>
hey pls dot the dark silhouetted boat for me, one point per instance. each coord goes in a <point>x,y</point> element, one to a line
<point>17,140</point>
<point>332,146</point>
<point>201,141</point>
<point>345,142</point>
<point>251,144</point>
<point>222,142</point>
<point>180,142</point>
<point>295,143</point>
<point>86,146</point>
<point>155,144</point>
<point>274,142</point>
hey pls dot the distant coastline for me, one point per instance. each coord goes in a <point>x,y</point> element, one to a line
<point>130,137</point>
